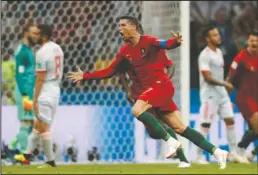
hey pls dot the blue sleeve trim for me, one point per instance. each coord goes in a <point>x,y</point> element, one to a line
<point>163,44</point>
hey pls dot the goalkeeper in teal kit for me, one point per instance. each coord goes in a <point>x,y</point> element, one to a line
<point>25,80</point>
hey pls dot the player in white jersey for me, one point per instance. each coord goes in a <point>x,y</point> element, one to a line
<point>49,68</point>
<point>213,92</point>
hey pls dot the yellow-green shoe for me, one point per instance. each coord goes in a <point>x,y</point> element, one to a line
<point>19,157</point>
<point>49,164</point>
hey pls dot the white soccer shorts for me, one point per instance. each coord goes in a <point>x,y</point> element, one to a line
<point>211,108</point>
<point>47,108</point>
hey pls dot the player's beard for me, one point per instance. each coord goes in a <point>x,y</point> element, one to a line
<point>40,41</point>
<point>254,49</point>
<point>254,46</point>
<point>126,39</point>
<point>217,44</point>
<point>31,41</point>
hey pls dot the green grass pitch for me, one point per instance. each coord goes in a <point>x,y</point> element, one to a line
<point>232,168</point>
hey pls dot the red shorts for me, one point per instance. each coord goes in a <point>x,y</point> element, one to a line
<point>160,95</point>
<point>247,105</point>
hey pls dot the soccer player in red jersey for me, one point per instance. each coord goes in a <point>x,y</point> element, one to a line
<point>170,67</point>
<point>132,97</point>
<point>141,51</point>
<point>244,68</point>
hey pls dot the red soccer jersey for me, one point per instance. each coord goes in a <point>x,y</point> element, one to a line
<point>136,87</point>
<point>148,66</point>
<point>245,67</point>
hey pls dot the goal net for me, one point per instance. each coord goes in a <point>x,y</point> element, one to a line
<point>88,33</point>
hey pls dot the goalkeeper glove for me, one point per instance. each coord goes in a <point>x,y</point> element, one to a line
<point>27,103</point>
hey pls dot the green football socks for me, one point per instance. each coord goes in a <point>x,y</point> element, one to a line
<point>23,135</point>
<point>198,139</point>
<point>150,121</point>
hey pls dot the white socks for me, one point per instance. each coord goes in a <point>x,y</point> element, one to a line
<point>48,145</point>
<point>33,140</point>
<point>231,137</point>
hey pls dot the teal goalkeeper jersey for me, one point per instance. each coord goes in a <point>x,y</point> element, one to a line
<point>25,70</point>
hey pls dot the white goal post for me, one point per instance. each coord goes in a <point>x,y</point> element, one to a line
<point>158,18</point>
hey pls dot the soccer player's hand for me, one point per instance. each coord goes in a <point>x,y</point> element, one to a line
<point>27,103</point>
<point>75,76</point>
<point>229,86</point>
<point>178,37</point>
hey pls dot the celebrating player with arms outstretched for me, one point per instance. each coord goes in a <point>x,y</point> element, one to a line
<point>245,69</point>
<point>49,68</point>
<point>132,97</point>
<point>142,54</point>
<point>214,97</point>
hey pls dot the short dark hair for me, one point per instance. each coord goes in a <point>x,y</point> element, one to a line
<point>254,33</point>
<point>45,30</point>
<point>205,32</point>
<point>131,19</point>
<point>27,27</point>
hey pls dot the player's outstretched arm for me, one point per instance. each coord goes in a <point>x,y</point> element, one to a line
<point>171,43</point>
<point>100,74</point>
<point>75,76</point>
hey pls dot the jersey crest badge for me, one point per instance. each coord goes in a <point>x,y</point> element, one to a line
<point>144,53</point>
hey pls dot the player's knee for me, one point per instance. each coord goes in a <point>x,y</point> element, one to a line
<point>140,107</point>
<point>229,121</point>
<point>45,135</point>
<point>180,130</point>
<point>135,111</point>
<point>205,125</point>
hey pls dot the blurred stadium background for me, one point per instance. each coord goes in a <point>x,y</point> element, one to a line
<point>95,116</point>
